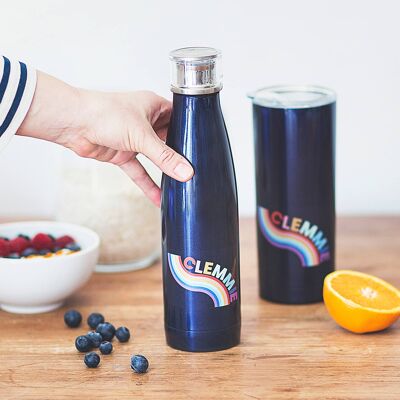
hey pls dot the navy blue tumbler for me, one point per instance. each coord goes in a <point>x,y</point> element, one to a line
<point>200,231</point>
<point>294,137</point>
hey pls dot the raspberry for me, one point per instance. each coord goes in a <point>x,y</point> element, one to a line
<point>64,241</point>
<point>19,244</point>
<point>4,247</point>
<point>42,241</point>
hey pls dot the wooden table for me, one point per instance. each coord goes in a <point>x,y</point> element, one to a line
<point>287,352</point>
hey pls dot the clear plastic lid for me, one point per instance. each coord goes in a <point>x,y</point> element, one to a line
<point>293,96</point>
<point>196,70</point>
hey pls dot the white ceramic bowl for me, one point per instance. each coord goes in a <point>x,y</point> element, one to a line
<point>39,285</point>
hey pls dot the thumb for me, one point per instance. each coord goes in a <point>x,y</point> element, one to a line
<point>168,160</point>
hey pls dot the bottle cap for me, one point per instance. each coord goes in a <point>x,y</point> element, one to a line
<point>195,70</point>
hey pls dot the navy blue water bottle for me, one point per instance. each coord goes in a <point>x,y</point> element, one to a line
<point>294,136</point>
<point>200,230</point>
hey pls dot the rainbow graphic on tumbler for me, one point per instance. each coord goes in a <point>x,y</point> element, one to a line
<point>208,278</point>
<point>297,235</point>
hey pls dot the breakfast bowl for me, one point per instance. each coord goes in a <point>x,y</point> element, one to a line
<point>40,284</point>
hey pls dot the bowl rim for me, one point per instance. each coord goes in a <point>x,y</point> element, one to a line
<point>90,232</point>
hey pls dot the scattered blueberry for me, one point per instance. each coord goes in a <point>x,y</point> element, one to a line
<point>83,344</point>
<point>95,338</point>
<point>101,338</point>
<point>122,334</point>
<point>139,363</point>
<point>30,251</point>
<point>73,318</point>
<point>13,255</point>
<point>73,247</point>
<point>26,237</point>
<point>92,360</point>
<point>95,319</point>
<point>106,330</point>
<point>106,348</point>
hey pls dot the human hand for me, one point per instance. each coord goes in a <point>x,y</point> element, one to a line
<point>110,127</point>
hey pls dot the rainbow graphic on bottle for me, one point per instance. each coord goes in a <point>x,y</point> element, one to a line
<point>297,235</point>
<point>208,278</point>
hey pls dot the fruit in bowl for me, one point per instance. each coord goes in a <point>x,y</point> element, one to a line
<point>41,245</point>
<point>42,263</point>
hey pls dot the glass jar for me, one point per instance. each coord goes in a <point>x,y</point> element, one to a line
<point>103,198</point>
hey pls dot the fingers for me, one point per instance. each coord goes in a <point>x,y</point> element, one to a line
<point>163,116</point>
<point>168,160</point>
<point>161,112</point>
<point>160,115</point>
<point>162,133</point>
<point>139,175</point>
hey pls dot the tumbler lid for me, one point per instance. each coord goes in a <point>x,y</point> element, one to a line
<point>293,96</point>
<point>195,70</point>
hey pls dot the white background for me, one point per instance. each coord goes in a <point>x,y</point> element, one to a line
<point>350,46</point>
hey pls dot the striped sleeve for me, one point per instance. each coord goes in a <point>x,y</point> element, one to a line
<point>17,86</point>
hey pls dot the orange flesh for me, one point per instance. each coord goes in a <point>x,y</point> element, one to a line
<point>365,292</point>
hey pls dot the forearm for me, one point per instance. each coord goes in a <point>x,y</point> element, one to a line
<point>110,127</point>
<point>55,112</point>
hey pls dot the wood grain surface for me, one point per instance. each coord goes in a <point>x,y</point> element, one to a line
<point>287,352</point>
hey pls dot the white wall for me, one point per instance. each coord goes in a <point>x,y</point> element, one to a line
<point>351,46</point>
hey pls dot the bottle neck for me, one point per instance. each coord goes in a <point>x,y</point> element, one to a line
<point>189,102</point>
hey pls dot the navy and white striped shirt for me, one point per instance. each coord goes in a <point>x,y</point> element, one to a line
<point>17,86</point>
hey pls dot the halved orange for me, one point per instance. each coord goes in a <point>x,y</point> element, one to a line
<point>361,302</point>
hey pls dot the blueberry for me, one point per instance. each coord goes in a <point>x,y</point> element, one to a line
<point>106,330</point>
<point>13,255</point>
<point>83,344</point>
<point>95,338</point>
<point>122,334</point>
<point>73,318</point>
<point>26,237</point>
<point>72,247</point>
<point>43,252</point>
<point>95,319</point>
<point>106,348</point>
<point>92,360</point>
<point>29,251</point>
<point>139,363</point>
<point>56,248</point>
